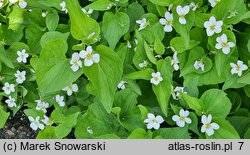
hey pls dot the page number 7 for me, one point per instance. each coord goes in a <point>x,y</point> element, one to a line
<point>241,144</point>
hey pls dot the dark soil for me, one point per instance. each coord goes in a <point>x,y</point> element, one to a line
<point>17,127</point>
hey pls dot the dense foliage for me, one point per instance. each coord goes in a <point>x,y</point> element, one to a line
<point>127,68</point>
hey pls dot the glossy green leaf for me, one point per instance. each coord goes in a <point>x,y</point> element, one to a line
<point>104,76</point>
<point>114,27</point>
<point>82,26</point>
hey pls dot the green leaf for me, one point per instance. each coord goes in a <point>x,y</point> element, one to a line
<point>226,130</point>
<point>34,40</point>
<point>52,20</point>
<point>172,133</point>
<point>163,89</point>
<point>159,48</point>
<point>81,25</point>
<point>104,76</point>
<point>245,79</point>
<point>16,18</point>
<point>97,120</point>
<point>48,3</point>
<point>47,133</point>
<point>150,53</point>
<point>223,10</point>
<point>143,74</point>
<point>53,71</point>
<point>4,59</point>
<point>115,26</point>
<point>247,134</point>
<point>153,30</point>
<point>216,103</point>
<point>195,54</point>
<point>4,117</point>
<point>248,45</point>
<point>100,5</point>
<point>193,103</point>
<point>161,2</point>
<point>180,45</point>
<point>52,36</point>
<point>194,125</point>
<point>240,123</point>
<point>57,116</point>
<point>135,11</point>
<point>140,133</point>
<point>129,115</point>
<point>63,129</point>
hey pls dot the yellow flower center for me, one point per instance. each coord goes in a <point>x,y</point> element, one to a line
<point>212,27</point>
<point>238,68</point>
<point>169,22</point>
<point>75,62</point>
<point>207,125</point>
<point>156,78</point>
<point>224,44</point>
<point>182,118</point>
<point>89,56</point>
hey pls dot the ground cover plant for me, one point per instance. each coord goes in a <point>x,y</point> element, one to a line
<point>154,69</point>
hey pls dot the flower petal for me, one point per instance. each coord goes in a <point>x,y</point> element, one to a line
<point>175,118</point>
<point>168,28</point>
<point>209,131</point>
<point>163,21</point>
<point>159,119</point>
<point>215,126</point>
<point>180,123</point>
<point>203,119</point>
<point>182,20</point>
<point>188,120</point>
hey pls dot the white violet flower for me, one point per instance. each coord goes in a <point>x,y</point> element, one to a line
<point>60,100</point>
<point>199,64</point>
<point>176,92</point>
<point>129,44</point>
<point>88,13</point>
<point>182,118</point>
<point>22,4</point>
<point>156,78</point>
<point>212,26</point>
<point>121,85</point>
<point>11,102</point>
<point>238,68</point>
<point>213,2</point>
<point>136,43</point>
<point>144,64</point>
<point>222,43</point>
<point>89,130</point>
<point>75,62</point>
<point>143,23</point>
<point>153,122</point>
<point>13,1</point>
<point>175,62</point>
<point>45,120</point>
<point>193,6</point>
<point>89,57</point>
<point>109,6</point>
<point>167,22</point>
<point>35,123</point>
<point>207,126</point>
<point>63,6</point>
<point>41,105</point>
<point>44,14</point>
<point>20,76</point>
<point>182,12</point>
<point>22,56</point>
<point>8,88</point>
<point>70,89</point>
